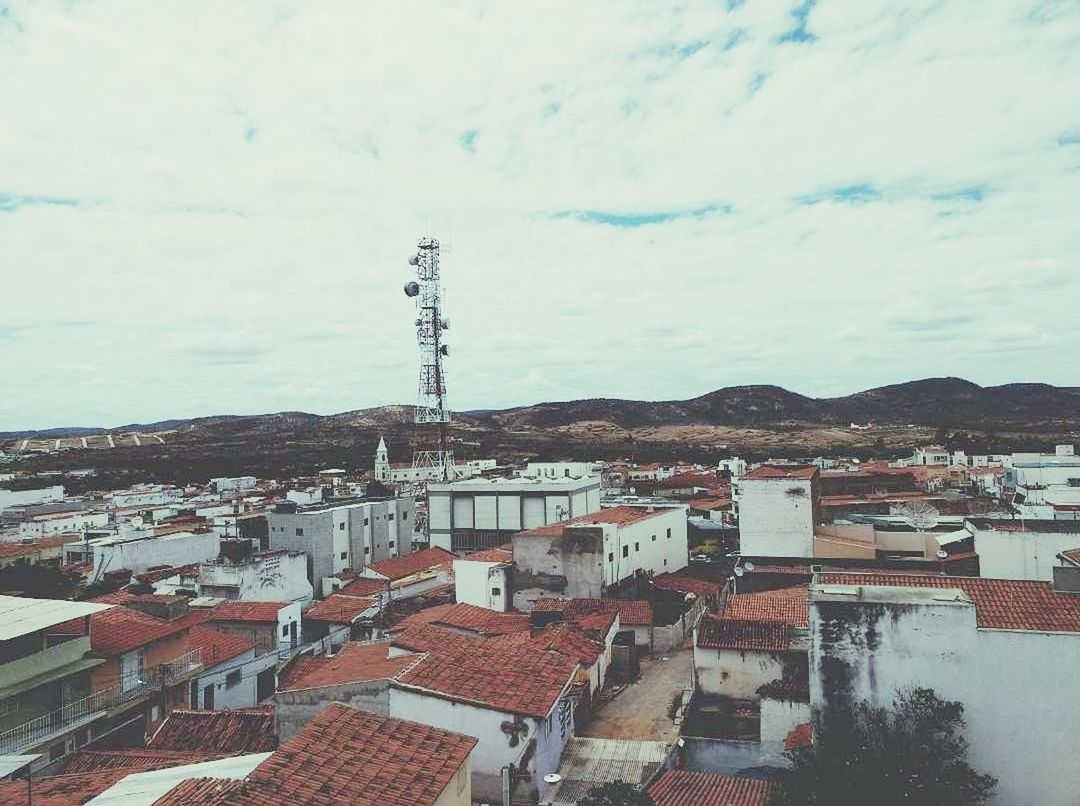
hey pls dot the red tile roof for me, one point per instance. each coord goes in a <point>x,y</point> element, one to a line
<point>687,788</point>
<point>789,472</point>
<point>132,760</point>
<point>432,638</point>
<point>157,574</point>
<point>1072,555</point>
<point>710,504</point>
<point>497,555</point>
<point>354,663</point>
<point>202,792</point>
<point>786,605</point>
<point>345,756</point>
<point>616,516</point>
<point>247,611</point>
<point>632,612</point>
<point>62,790</point>
<point>568,640</point>
<point>121,629</point>
<point>363,586</point>
<point>682,583</point>
<point>216,646</point>
<point>471,618</point>
<point>340,608</point>
<point>516,680</point>
<point>413,563</point>
<point>744,636</point>
<point>1000,604</point>
<point>240,730</point>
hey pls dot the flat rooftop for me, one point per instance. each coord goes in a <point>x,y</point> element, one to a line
<point>20,615</point>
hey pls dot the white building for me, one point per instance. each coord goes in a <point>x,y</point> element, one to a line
<point>21,498</point>
<point>584,557</point>
<point>1046,485</point>
<point>483,579</point>
<point>145,495</point>
<point>930,455</point>
<point>734,467</point>
<point>485,513</point>
<point>343,535</point>
<point>233,484</point>
<point>561,470</point>
<point>1007,650</point>
<point>139,553</point>
<point>405,473</point>
<point>1021,549</point>
<point>233,675</point>
<point>55,523</point>
<point>778,509</point>
<point>266,576</point>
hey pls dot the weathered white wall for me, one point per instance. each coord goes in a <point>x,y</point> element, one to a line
<point>296,708</point>
<point>493,750</point>
<point>15,498</point>
<point>1014,684</point>
<point>458,791</point>
<point>68,522</point>
<point>649,546</point>
<point>776,518</point>
<point>778,719</point>
<point>139,555</point>
<point>242,694</point>
<point>735,673</point>
<point>1021,555</point>
<point>474,582</point>
<point>266,578</point>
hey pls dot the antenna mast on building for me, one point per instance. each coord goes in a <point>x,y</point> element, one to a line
<point>431,405</point>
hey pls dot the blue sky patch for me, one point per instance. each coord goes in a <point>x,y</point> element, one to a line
<point>9,203</point>
<point>1070,137</point>
<point>467,140</point>
<point>849,194</point>
<point>973,193</point>
<point>799,33</point>
<point>641,219</point>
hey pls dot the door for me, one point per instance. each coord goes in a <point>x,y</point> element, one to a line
<point>292,633</point>
<point>208,697</point>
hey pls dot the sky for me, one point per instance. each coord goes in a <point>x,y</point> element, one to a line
<point>208,208</point>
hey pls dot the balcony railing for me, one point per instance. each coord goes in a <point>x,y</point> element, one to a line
<point>87,709</point>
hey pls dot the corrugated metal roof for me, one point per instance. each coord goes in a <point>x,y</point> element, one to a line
<point>590,762</point>
<point>20,615</point>
<point>147,787</point>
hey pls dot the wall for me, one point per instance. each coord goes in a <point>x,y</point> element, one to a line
<point>243,693</point>
<point>474,582</point>
<point>778,719</point>
<point>1021,555</point>
<point>1017,707</point>
<point>735,673</point>
<point>458,792</point>
<point>140,554</point>
<point>16,498</point>
<point>296,708</point>
<point>649,548</point>
<point>774,521</point>
<point>725,756</point>
<point>493,751</point>
<point>56,524</point>
<point>266,578</point>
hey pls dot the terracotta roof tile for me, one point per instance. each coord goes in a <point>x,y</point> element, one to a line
<point>216,646</point>
<point>617,516</point>
<point>568,640</point>
<point>471,618</point>
<point>62,790</point>
<point>363,586</point>
<point>787,605</point>
<point>201,792</point>
<point>790,472</point>
<point>687,788</point>
<point>240,730</point>
<point>121,629</point>
<point>683,583</point>
<point>632,612</point>
<point>496,555</point>
<point>750,636</point>
<point>340,608</point>
<point>247,611</point>
<point>517,680</point>
<point>354,663</point>
<point>132,760</point>
<point>1001,604</point>
<point>345,756</point>
<point>413,563</point>
<point>432,638</point>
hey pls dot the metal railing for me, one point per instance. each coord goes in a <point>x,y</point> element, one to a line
<point>87,709</point>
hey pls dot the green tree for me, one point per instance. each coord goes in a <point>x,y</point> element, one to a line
<point>914,754</point>
<point>616,793</point>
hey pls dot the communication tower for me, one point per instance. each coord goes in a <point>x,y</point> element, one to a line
<point>431,406</point>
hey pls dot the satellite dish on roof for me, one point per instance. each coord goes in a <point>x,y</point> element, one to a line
<point>413,260</point>
<point>942,554</point>
<point>552,778</point>
<point>749,566</point>
<point>739,571</point>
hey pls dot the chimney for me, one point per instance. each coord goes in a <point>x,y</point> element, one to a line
<point>1067,578</point>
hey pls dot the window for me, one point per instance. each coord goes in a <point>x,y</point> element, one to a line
<point>637,546</point>
<point>654,538</point>
<point>665,561</point>
<point>365,521</point>
<point>299,532</point>
<point>367,549</point>
<point>404,516</point>
<point>611,556</point>
<point>390,544</point>
<point>344,555</point>
<point>233,679</point>
<point>669,533</point>
<point>626,551</point>
<point>284,630</point>
<point>341,526</point>
<point>496,591</point>
<point>390,517</point>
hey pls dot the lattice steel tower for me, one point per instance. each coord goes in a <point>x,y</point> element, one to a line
<point>431,406</point>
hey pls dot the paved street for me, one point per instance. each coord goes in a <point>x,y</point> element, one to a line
<point>641,710</point>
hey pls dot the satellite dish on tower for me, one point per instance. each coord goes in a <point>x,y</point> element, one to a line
<point>739,571</point>
<point>412,288</point>
<point>749,566</point>
<point>413,260</point>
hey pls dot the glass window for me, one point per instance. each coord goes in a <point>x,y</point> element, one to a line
<point>637,546</point>
<point>496,592</point>
<point>299,532</point>
<point>344,555</point>
<point>626,551</point>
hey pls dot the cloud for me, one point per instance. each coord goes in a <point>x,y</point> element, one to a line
<point>642,199</point>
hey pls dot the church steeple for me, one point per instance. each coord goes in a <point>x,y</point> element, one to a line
<point>382,462</point>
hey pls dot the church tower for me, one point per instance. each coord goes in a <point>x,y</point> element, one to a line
<point>382,463</point>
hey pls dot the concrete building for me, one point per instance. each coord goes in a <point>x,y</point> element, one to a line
<point>1006,649</point>
<point>145,495</point>
<point>778,510</point>
<point>585,556</point>
<point>404,473</point>
<point>486,513</point>
<point>54,523</point>
<point>265,576</point>
<point>733,467</point>
<point>272,626</point>
<point>1021,549</point>
<point>561,470</point>
<point>1046,486</point>
<point>20,498</point>
<point>233,674</point>
<point>484,579</point>
<point>343,535</point>
<point>233,484</point>
<point>38,674</point>
<point>140,552</point>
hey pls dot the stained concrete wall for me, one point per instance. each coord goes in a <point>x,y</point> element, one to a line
<point>297,707</point>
